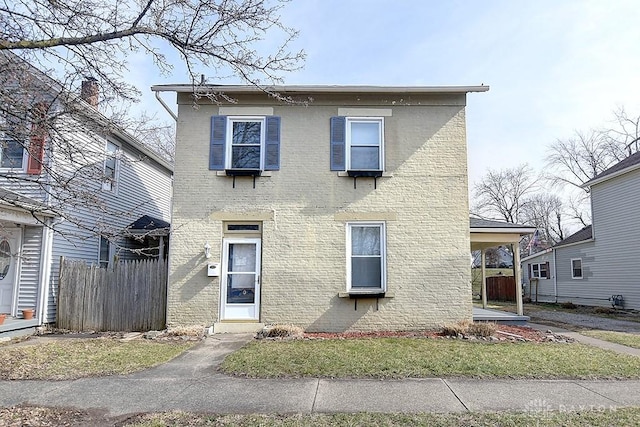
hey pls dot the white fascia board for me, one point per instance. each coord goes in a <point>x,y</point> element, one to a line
<point>537,254</point>
<point>182,88</point>
<point>498,230</point>
<point>631,168</point>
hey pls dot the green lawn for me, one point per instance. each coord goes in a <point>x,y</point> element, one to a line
<point>419,358</point>
<point>603,417</point>
<point>76,358</point>
<point>630,340</point>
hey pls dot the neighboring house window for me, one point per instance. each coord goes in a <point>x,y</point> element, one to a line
<point>366,253</point>
<point>540,271</point>
<point>357,144</point>
<point>104,252</point>
<point>245,143</point>
<point>110,167</point>
<point>576,268</point>
<point>11,155</point>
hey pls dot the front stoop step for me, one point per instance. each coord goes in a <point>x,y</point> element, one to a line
<point>237,327</point>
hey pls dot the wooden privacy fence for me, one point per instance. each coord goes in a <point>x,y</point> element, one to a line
<point>501,288</point>
<point>129,297</point>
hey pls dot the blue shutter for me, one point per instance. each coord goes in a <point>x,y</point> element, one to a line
<point>338,143</point>
<point>217,145</point>
<point>272,144</point>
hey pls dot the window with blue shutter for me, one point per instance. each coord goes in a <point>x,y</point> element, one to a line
<point>338,143</point>
<point>218,141</point>
<point>272,144</point>
<point>357,145</point>
<point>243,144</point>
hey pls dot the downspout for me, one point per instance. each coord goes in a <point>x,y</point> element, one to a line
<point>45,271</point>
<point>555,276</point>
<point>166,107</point>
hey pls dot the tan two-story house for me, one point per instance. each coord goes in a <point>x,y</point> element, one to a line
<point>345,212</point>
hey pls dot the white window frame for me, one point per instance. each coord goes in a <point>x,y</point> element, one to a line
<point>380,121</point>
<point>104,263</point>
<point>536,274</point>
<point>383,256</point>
<point>111,184</point>
<point>228,160</point>
<point>23,164</point>
<point>581,269</point>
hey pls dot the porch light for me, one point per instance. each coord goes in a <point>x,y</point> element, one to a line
<point>207,250</point>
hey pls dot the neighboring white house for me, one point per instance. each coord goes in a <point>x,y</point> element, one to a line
<point>349,213</point>
<point>598,265</point>
<point>121,206</point>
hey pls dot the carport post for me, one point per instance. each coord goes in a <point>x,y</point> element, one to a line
<point>483,262</point>
<point>516,271</point>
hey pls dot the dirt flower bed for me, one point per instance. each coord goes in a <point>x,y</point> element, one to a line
<point>503,333</point>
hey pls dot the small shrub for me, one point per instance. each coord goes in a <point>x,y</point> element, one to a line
<point>569,305</point>
<point>455,329</point>
<point>482,329</point>
<point>282,331</point>
<point>185,331</point>
<point>604,310</point>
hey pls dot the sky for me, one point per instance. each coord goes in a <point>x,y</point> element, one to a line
<point>554,66</point>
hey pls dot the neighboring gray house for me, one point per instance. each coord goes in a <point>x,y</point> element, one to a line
<point>120,207</point>
<point>598,265</point>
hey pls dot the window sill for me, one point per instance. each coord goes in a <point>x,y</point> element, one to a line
<point>358,174</point>
<point>360,294</point>
<point>232,172</point>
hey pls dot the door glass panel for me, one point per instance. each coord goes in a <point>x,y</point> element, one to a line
<point>242,257</point>
<point>241,277</point>
<point>5,259</point>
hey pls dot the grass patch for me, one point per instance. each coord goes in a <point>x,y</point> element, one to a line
<point>77,358</point>
<point>423,358</point>
<point>630,340</point>
<point>604,417</point>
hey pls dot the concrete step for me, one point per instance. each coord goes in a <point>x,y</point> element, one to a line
<point>237,327</point>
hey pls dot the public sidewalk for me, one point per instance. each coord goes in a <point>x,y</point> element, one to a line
<point>191,383</point>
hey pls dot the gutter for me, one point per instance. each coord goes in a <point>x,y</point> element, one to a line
<point>166,107</point>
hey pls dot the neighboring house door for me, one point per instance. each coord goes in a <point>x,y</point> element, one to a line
<point>9,249</point>
<point>240,284</point>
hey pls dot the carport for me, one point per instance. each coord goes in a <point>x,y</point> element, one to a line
<point>486,234</point>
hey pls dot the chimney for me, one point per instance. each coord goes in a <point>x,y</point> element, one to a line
<point>90,91</point>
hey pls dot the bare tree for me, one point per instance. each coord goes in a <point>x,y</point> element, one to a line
<point>545,212</point>
<point>94,38</point>
<point>503,194</point>
<point>49,48</point>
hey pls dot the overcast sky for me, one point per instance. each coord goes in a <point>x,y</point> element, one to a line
<point>554,66</point>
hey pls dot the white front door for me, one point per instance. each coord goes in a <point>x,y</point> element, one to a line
<point>9,246</point>
<point>240,281</point>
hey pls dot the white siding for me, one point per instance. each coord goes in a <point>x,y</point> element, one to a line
<point>615,255</point>
<point>546,287</point>
<point>30,268</point>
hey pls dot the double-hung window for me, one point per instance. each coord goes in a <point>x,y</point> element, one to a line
<point>245,144</point>
<point>11,150</point>
<point>110,167</point>
<point>104,254</point>
<point>540,271</point>
<point>366,253</point>
<point>576,268</point>
<point>357,144</point>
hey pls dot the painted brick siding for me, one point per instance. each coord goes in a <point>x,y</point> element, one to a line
<point>304,208</point>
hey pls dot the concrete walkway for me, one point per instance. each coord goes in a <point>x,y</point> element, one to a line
<point>191,383</point>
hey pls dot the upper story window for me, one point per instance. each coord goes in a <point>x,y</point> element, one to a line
<point>357,144</point>
<point>245,143</point>
<point>11,150</point>
<point>11,154</point>
<point>366,253</point>
<point>110,176</point>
